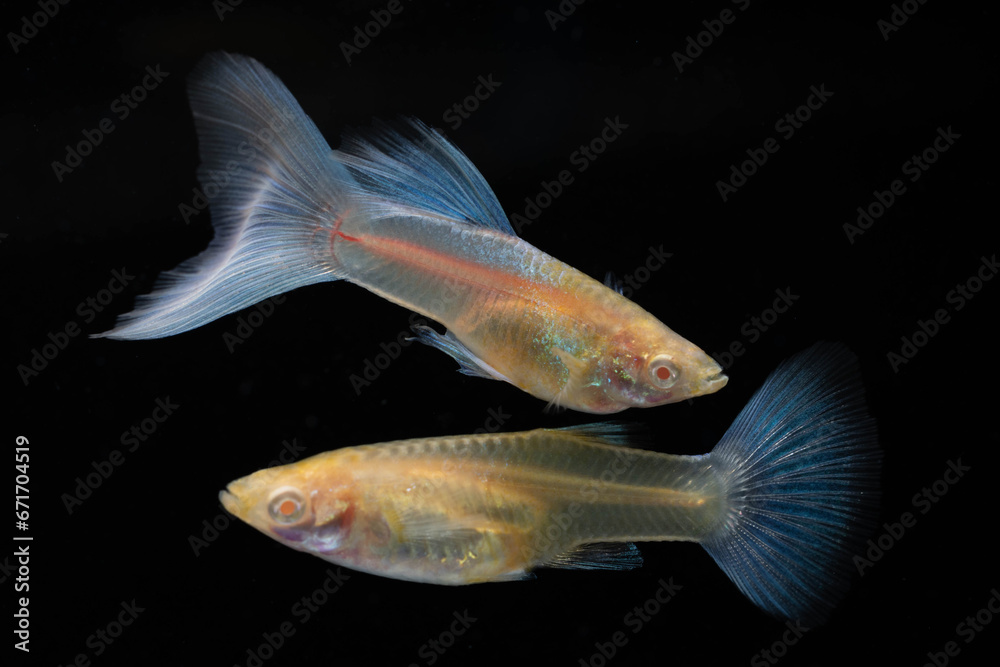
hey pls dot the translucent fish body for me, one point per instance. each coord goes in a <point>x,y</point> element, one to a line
<point>404,214</point>
<point>493,507</point>
<point>782,503</point>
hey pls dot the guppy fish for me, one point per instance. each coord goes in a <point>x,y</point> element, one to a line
<point>407,216</point>
<point>781,503</point>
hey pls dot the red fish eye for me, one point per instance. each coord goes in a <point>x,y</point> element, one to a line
<point>286,506</point>
<point>663,373</point>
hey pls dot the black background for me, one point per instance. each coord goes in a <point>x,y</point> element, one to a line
<point>654,186</point>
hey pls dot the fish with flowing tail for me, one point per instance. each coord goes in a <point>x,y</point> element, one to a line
<point>404,214</point>
<point>781,503</point>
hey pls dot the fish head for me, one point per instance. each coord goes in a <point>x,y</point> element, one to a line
<point>304,505</point>
<point>647,364</point>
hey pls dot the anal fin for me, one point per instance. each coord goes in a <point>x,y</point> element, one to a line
<point>598,556</point>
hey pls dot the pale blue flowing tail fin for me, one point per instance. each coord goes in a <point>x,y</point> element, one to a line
<point>281,199</point>
<point>800,465</point>
<point>276,194</point>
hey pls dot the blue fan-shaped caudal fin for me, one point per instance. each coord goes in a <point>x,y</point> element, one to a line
<point>275,191</point>
<point>800,465</point>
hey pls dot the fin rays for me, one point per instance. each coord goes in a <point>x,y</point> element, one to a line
<point>801,466</point>
<point>277,190</point>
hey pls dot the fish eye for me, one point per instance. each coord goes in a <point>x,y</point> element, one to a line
<point>287,505</point>
<point>663,373</point>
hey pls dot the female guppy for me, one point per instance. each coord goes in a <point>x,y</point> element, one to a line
<point>781,503</point>
<point>407,216</point>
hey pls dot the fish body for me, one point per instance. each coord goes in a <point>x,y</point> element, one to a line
<point>781,503</point>
<point>404,214</point>
<point>517,314</point>
<point>479,508</point>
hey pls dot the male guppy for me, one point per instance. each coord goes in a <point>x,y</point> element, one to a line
<point>781,503</point>
<point>407,216</point>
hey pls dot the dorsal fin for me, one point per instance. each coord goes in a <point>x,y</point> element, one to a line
<point>611,281</point>
<point>622,434</point>
<point>410,165</point>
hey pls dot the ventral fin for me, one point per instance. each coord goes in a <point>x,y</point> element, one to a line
<point>469,363</point>
<point>598,556</point>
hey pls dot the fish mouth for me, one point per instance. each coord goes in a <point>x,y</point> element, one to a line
<point>231,503</point>
<point>715,382</point>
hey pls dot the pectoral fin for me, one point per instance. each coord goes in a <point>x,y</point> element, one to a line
<point>577,370</point>
<point>455,540</point>
<point>440,529</point>
<point>576,367</point>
